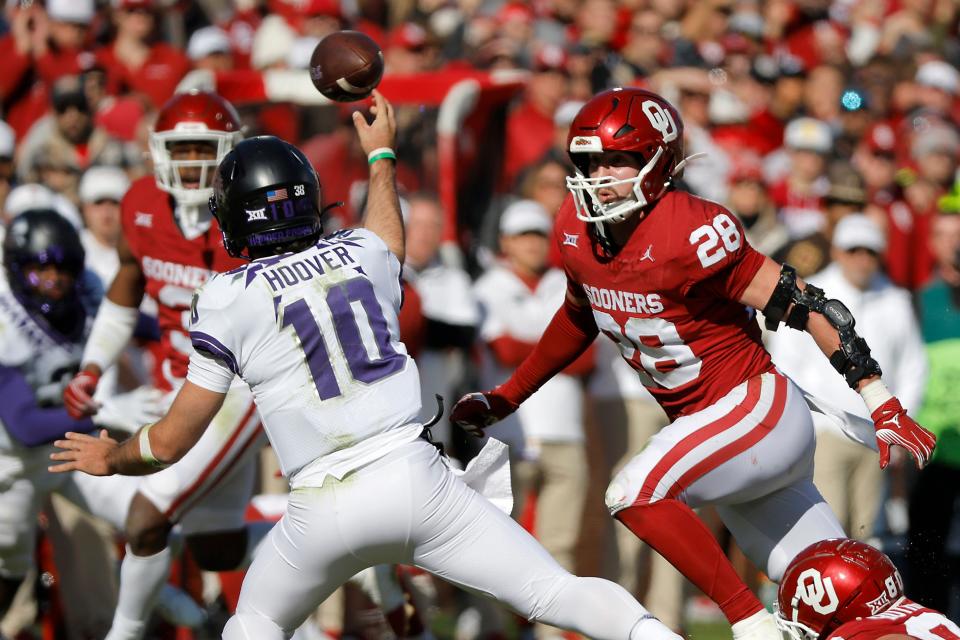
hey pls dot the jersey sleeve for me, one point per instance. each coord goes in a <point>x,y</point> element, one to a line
<point>216,344</point>
<point>720,258</point>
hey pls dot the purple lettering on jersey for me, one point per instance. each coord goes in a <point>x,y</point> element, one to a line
<point>362,366</point>
<point>298,315</point>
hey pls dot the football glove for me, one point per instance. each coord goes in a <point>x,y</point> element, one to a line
<point>895,427</point>
<point>130,411</point>
<point>477,411</point>
<point>78,396</point>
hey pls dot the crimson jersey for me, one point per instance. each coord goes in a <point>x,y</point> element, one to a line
<point>905,617</point>
<point>173,267</point>
<point>668,299</point>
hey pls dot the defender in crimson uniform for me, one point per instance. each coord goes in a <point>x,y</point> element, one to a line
<point>671,279</point>
<point>171,246</point>
<point>847,590</point>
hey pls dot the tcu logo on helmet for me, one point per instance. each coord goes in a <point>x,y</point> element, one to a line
<point>660,119</point>
<point>812,589</point>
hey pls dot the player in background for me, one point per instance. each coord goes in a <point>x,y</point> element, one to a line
<point>671,279</point>
<point>842,589</point>
<point>171,246</point>
<point>311,324</point>
<point>43,324</point>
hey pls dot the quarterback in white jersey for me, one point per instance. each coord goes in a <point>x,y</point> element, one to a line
<point>331,378</point>
<point>311,325</point>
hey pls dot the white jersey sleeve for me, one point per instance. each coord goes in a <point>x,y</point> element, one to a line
<point>316,336</point>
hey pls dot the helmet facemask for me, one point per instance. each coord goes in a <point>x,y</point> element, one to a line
<point>791,629</point>
<point>587,201</point>
<point>168,171</point>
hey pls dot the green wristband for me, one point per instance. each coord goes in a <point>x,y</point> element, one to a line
<point>389,155</point>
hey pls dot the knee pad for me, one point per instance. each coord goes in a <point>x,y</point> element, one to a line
<point>252,626</point>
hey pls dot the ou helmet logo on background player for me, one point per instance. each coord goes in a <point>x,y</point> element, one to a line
<point>660,119</point>
<point>811,589</point>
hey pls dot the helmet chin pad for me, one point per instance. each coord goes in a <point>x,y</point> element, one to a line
<point>588,204</point>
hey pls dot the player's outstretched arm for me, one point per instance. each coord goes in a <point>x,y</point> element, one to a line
<point>569,334</point>
<point>111,331</point>
<point>152,448</point>
<point>831,325</point>
<point>383,205</point>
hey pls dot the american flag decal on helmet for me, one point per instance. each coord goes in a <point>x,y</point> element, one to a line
<point>279,194</point>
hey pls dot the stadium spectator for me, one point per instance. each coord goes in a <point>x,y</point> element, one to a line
<point>448,303</point>
<point>136,60</point>
<point>799,194</point>
<point>530,126</point>
<point>60,146</point>
<point>209,48</point>
<point>44,44</point>
<point>101,190</point>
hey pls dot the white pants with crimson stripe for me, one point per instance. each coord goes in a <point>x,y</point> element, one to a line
<point>209,488</point>
<point>750,454</point>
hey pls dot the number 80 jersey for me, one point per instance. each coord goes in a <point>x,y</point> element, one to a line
<point>669,298</point>
<point>315,334</point>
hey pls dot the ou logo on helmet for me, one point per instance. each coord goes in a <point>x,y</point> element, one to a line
<point>660,119</point>
<point>814,591</point>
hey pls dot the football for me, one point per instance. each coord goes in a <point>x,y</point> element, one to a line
<point>346,66</point>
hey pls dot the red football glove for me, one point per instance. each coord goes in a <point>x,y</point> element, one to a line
<point>78,396</point>
<point>894,426</point>
<point>477,411</point>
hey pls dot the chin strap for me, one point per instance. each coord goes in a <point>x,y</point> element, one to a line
<point>680,165</point>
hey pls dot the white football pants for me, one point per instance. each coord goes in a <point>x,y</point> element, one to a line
<point>409,508</point>
<point>751,455</point>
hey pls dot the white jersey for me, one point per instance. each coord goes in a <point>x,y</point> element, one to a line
<point>315,334</point>
<point>46,359</point>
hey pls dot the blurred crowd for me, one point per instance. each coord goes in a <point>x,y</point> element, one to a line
<point>832,129</point>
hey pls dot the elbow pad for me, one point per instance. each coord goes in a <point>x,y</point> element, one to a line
<point>112,329</point>
<point>852,360</point>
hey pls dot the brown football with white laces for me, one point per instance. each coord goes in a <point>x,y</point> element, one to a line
<point>346,66</point>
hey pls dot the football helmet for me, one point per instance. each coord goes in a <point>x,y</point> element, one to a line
<point>197,116</point>
<point>266,196</point>
<point>832,582</point>
<point>40,238</point>
<point>635,121</point>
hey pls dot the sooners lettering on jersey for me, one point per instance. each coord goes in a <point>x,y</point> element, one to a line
<point>905,618</point>
<point>668,299</point>
<point>173,267</point>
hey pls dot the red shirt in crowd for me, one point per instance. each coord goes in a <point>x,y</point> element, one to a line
<point>25,82</point>
<point>530,134</point>
<point>156,78</point>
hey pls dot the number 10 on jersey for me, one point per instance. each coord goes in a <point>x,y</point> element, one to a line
<point>357,324</point>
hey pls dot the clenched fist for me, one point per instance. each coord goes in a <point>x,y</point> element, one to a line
<point>477,411</point>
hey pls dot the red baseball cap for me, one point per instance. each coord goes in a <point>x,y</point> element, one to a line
<point>408,35</point>
<point>880,138</point>
<point>515,11</point>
